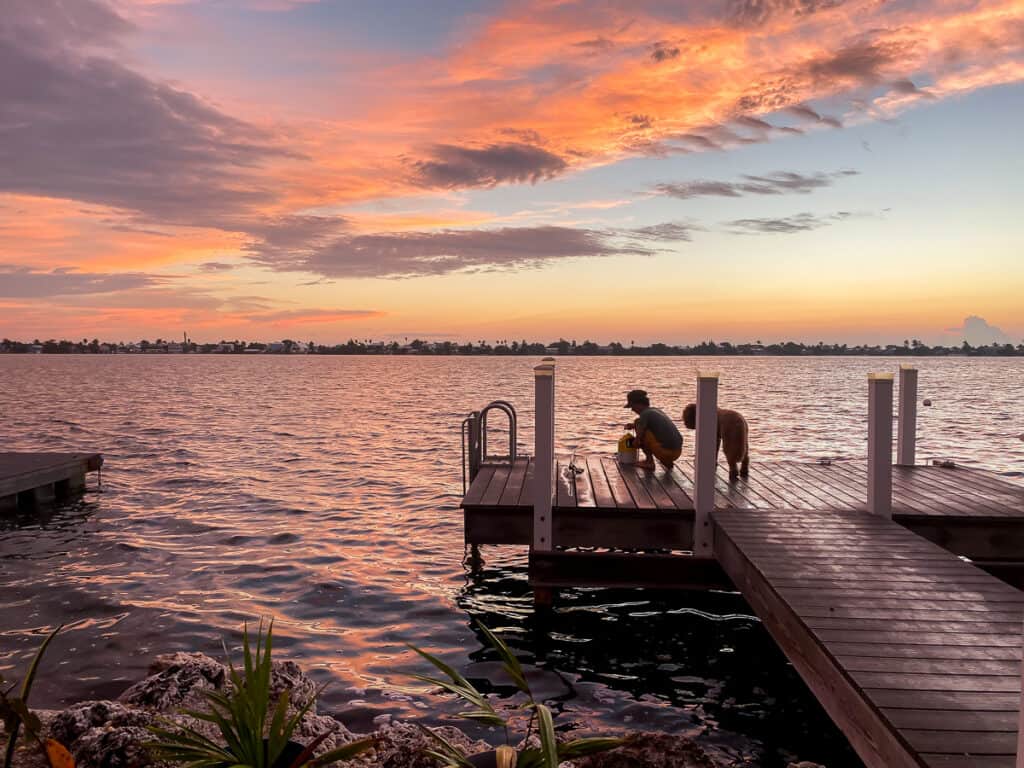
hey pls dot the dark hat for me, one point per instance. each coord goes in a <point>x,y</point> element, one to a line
<point>636,397</point>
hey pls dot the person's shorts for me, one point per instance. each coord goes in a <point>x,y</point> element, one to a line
<point>663,454</point>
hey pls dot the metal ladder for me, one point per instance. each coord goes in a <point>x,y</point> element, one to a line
<point>474,440</point>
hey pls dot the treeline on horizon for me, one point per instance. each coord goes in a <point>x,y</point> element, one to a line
<point>912,347</point>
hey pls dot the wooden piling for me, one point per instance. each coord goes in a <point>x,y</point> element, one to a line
<point>705,463</point>
<point>544,453</point>
<point>906,434</point>
<point>880,444</point>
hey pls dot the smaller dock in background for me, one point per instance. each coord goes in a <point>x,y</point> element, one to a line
<point>28,479</point>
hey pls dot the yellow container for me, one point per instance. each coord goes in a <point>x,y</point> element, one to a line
<point>627,449</point>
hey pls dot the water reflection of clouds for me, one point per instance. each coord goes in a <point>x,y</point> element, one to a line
<point>324,491</point>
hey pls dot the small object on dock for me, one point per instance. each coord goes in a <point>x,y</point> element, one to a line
<point>926,401</point>
<point>944,463</point>
<point>627,448</point>
<point>825,462</point>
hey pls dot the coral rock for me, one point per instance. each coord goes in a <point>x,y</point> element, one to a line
<point>401,745</point>
<point>179,682</point>
<point>650,750</point>
<point>70,724</point>
<point>113,748</point>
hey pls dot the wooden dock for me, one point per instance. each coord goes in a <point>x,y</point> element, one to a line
<point>913,652</point>
<point>34,478</point>
<point>873,576</point>
<point>599,502</point>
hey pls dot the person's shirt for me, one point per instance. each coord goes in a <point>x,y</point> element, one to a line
<point>661,426</point>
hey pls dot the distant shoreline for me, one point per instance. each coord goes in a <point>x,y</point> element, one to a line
<point>785,351</point>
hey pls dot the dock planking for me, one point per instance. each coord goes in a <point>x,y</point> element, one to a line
<point>940,690</point>
<point>913,651</point>
<point>970,512</point>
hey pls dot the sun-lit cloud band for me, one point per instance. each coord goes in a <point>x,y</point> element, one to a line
<point>154,169</point>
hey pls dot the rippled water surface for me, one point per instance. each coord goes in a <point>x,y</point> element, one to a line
<point>324,491</point>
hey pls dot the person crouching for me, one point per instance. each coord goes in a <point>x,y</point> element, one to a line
<point>732,436</point>
<point>656,435</point>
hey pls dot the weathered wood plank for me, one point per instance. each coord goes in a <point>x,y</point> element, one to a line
<point>949,650</point>
<point>620,491</point>
<point>584,490</point>
<point>514,487</point>
<point>496,486</point>
<point>681,499</point>
<point>602,491</point>
<point>652,484</point>
<point>952,720</point>
<point>916,651</point>
<point>631,476</point>
<point>478,487</point>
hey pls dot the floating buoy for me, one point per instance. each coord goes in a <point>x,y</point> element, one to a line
<point>927,402</point>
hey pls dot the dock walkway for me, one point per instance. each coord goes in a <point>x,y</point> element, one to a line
<point>913,652</point>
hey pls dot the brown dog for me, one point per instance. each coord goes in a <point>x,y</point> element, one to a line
<point>732,435</point>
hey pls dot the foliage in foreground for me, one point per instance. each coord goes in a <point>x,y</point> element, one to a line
<point>15,713</point>
<point>240,716</point>
<point>548,755</point>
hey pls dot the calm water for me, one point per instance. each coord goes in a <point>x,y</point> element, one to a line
<point>323,491</point>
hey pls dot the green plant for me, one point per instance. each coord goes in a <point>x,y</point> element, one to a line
<point>14,710</point>
<point>548,755</point>
<point>240,715</point>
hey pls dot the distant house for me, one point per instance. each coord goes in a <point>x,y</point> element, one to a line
<point>551,350</point>
<point>175,348</point>
<point>36,349</point>
<point>275,348</point>
<point>224,348</point>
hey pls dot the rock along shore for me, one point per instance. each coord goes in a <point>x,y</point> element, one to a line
<point>113,734</point>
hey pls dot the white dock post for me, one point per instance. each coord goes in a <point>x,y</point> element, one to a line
<point>544,454</point>
<point>704,463</point>
<point>880,444</point>
<point>906,430</point>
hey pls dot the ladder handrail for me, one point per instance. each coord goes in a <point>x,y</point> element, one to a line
<point>510,411</point>
<point>473,433</point>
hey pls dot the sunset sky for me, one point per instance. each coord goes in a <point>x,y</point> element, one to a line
<point>838,170</point>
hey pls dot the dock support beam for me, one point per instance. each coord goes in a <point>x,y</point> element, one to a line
<point>544,467</point>
<point>544,454</point>
<point>880,444</point>
<point>906,434</point>
<point>705,459</point>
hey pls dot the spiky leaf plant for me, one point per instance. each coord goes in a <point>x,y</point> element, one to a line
<point>550,753</point>
<point>240,716</point>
